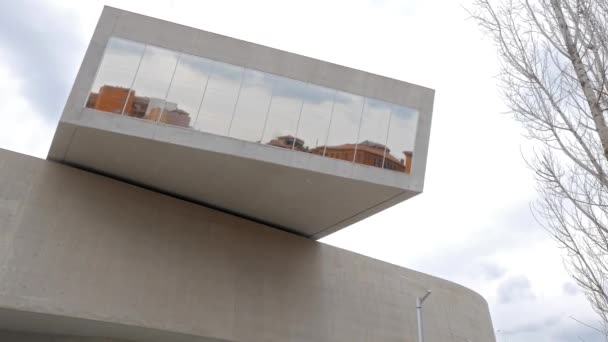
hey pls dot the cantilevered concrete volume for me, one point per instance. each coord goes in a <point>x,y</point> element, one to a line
<point>289,141</point>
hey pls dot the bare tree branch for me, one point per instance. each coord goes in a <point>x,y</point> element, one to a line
<point>554,64</point>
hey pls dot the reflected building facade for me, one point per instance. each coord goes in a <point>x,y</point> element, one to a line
<point>368,153</point>
<point>120,100</point>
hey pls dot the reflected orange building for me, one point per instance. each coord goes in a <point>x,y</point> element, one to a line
<point>368,153</point>
<point>112,99</point>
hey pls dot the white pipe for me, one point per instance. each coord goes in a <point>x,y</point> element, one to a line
<point>419,302</point>
<point>419,314</point>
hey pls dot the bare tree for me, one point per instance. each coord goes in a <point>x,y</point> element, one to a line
<point>554,63</point>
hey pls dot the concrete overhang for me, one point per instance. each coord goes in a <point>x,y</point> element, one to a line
<point>303,193</point>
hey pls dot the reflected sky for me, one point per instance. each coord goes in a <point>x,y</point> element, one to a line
<point>252,107</point>
<point>188,85</point>
<point>375,121</point>
<point>316,115</point>
<point>402,131</point>
<point>154,75</point>
<point>284,111</point>
<point>220,98</point>
<point>207,66</point>
<point>119,64</point>
<point>346,118</point>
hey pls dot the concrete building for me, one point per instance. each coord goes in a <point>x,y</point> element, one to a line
<point>188,179</point>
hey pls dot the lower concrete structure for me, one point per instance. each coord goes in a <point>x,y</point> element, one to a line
<point>85,255</point>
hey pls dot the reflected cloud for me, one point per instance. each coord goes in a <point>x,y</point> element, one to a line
<point>314,95</point>
<point>124,48</point>
<point>207,66</point>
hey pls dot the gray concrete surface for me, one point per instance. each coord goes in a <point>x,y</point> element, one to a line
<point>29,326</point>
<point>76,246</point>
<point>17,336</point>
<point>72,136</point>
<point>293,199</point>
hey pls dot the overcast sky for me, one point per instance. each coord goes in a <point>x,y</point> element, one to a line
<point>471,225</point>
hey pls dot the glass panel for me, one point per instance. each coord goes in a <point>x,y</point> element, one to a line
<point>344,127</point>
<point>373,133</point>
<point>186,92</point>
<point>147,98</point>
<point>115,75</point>
<point>220,98</point>
<point>183,90</point>
<point>315,118</point>
<point>252,108</point>
<point>284,112</point>
<point>401,137</point>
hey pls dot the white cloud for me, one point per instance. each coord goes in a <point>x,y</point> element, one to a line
<point>23,129</point>
<point>515,289</point>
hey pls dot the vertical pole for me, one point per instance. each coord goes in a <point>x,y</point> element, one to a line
<point>419,302</point>
<point>419,314</point>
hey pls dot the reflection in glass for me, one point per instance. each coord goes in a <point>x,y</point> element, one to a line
<point>344,127</point>
<point>401,136</point>
<point>373,133</point>
<point>252,107</point>
<point>149,91</point>
<point>284,112</point>
<point>315,117</point>
<point>220,98</point>
<point>156,84</point>
<point>186,91</point>
<point>115,76</point>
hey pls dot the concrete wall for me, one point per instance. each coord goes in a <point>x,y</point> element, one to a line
<point>78,245</point>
